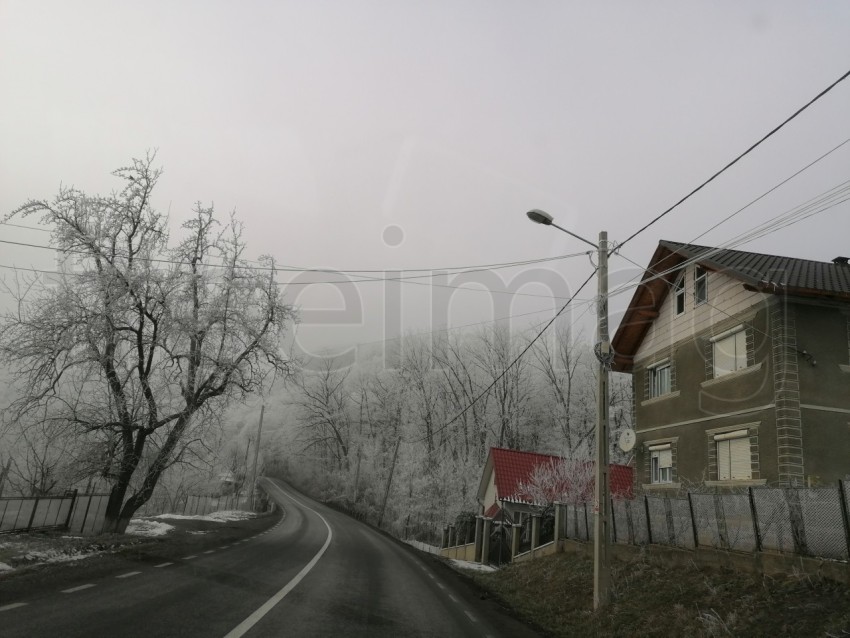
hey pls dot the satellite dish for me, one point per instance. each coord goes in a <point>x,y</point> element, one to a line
<point>627,439</point>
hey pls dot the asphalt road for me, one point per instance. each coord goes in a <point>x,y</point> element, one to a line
<point>316,572</point>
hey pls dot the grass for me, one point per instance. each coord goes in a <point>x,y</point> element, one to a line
<point>556,594</point>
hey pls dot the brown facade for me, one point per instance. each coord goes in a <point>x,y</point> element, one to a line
<point>775,411</point>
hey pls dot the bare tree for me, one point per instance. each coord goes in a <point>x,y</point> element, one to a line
<point>567,480</point>
<point>563,365</point>
<point>142,341</point>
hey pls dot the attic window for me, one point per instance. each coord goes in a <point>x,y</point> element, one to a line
<point>700,286</point>
<point>679,289</point>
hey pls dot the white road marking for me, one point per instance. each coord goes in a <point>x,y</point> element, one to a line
<point>224,547</point>
<point>470,616</point>
<point>128,574</point>
<point>211,551</point>
<point>12,606</point>
<point>190,557</point>
<point>454,600</point>
<point>431,576</point>
<point>163,565</point>
<point>441,585</point>
<point>243,627</point>
<point>79,588</point>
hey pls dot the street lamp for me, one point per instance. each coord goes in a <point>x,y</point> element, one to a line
<point>601,507</point>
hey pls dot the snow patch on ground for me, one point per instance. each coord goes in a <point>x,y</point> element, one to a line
<point>215,517</point>
<point>144,527</point>
<point>4,567</point>
<point>475,567</point>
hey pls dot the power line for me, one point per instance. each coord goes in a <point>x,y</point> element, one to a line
<point>737,159</point>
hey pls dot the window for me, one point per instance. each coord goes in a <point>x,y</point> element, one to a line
<point>659,379</point>
<point>733,456</point>
<point>700,286</point>
<point>679,289</point>
<point>661,463</point>
<point>729,352</point>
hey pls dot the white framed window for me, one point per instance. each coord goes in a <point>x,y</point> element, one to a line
<point>661,463</point>
<point>700,286</point>
<point>733,456</point>
<point>660,379</point>
<point>729,351</point>
<point>679,290</point>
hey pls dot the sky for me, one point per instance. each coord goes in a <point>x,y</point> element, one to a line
<point>387,136</point>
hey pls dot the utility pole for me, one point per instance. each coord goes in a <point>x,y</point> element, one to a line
<point>602,493</point>
<point>601,506</point>
<point>389,482</point>
<point>257,454</point>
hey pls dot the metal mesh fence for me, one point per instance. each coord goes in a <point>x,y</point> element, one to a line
<point>774,521</point>
<point>804,521</point>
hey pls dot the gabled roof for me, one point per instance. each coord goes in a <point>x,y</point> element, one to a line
<point>758,272</point>
<point>511,468</point>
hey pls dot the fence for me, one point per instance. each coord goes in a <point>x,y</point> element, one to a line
<point>805,521</point>
<point>194,504</point>
<point>78,514</point>
<point>812,522</point>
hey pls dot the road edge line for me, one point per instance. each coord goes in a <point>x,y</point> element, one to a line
<point>242,628</point>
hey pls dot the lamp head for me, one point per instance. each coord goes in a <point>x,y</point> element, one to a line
<point>540,217</point>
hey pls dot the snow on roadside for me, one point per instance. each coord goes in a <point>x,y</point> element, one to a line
<point>144,527</point>
<point>475,567</point>
<point>223,516</point>
<point>4,567</point>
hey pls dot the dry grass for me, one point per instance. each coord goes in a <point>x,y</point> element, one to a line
<point>556,594</point>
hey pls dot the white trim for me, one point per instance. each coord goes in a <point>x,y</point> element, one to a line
<point>726,333</point>
<point>725,415</point>
<point>661,446</point>
<point>661,486</point>
<point>736,483</point>
<point>735,434</point>
<point>731,375</point>
<point>668,439</point>
<point>661,397</point>
<point>730,428</point>
<point>658,364</point>
<point>824,408</point>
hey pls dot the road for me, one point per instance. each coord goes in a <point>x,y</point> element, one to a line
<point>316,572</point>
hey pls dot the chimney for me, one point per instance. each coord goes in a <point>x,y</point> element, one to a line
<point>841,261</point>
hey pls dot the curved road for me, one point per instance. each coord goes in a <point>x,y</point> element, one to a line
<point>317,572</point>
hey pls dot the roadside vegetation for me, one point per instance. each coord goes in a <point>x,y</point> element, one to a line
<point>556,594</point>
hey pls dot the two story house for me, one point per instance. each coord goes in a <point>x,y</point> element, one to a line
<point>740,365</point>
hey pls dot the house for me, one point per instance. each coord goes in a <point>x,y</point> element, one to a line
<point>740,366</point>
<point>503,490</point>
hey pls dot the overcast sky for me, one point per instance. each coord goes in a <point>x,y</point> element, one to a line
<point>396,135</point>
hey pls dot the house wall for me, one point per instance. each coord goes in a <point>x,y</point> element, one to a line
<point>797,414</point>
<point>726,296</point>
<point>823,332</point>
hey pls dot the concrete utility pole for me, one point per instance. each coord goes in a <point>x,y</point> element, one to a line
<point>257,453</point>
<point>601,504</point>
<point>601,509</point>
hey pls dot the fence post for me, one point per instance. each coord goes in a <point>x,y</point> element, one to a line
<point>485,542</point>
<point>32,516</point>
<point>754,514</point>
<point>586,526</point>
<point>648,521</point>
<point>86,515</point>
<point>613,522</point>
<point>630,523</point>
<point>71,510</point>
<point>668,514</point>
<point>845,515</point>
<point>720,515</point>
<point>693,521</point>
<point>558,531</point>
<point>798,528</point>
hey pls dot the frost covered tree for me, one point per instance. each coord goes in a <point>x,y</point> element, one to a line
<point>143,341</point>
